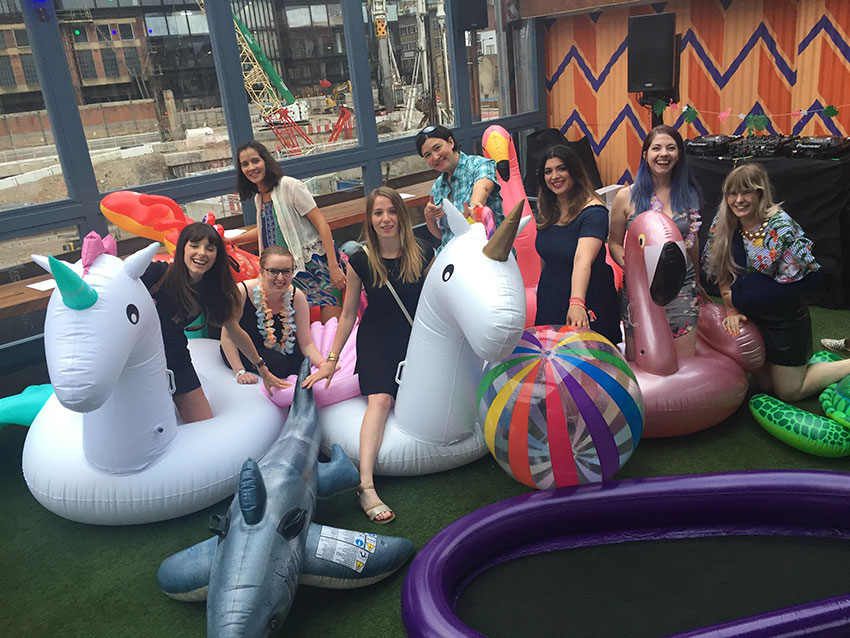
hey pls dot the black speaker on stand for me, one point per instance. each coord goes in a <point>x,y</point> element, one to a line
<point>653,59</point>
<point>471,15</point>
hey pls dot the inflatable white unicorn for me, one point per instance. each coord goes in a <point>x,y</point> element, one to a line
<point>108,447</point>
<point>471,310</point>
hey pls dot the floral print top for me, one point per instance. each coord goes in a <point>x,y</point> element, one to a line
<point>784,253</point>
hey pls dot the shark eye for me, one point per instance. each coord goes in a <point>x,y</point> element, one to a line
<point>292,523</point>
<point>641,240</point>
<point>448,271</point>
<point>133,314</point>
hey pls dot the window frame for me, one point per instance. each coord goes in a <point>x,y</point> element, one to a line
<point>81,207</point>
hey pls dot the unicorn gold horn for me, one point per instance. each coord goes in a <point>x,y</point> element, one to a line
<point>499,246</point>
<point>76,293</point>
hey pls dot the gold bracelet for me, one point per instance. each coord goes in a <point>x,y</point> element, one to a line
<point>332,356</point>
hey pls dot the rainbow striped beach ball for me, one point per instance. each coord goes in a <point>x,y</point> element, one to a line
<point>563,409</point>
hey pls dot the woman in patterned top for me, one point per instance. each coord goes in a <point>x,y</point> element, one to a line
<point>289,217</point>
<point>663,184</point>
<point>764,266</point>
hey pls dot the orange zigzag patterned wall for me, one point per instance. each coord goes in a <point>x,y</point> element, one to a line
<point>787,59</point>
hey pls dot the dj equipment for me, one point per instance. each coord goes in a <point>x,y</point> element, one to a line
<point>709,146</point>
<point>762,145</point>
<point>818,147</point>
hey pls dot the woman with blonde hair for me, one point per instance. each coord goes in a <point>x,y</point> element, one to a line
<point>391,268</point>
<point>764,267</point>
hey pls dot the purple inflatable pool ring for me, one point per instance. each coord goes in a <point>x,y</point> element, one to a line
<point>790,503</point>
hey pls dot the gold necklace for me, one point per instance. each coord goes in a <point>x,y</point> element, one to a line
<point>752,235</point>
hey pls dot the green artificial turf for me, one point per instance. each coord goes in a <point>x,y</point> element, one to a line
<point>61,578</point>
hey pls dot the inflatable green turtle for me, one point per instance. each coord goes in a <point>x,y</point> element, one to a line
<point>822,436</point>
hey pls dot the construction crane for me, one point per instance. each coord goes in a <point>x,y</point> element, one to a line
<point>343,124</point>
<point>266,89</point>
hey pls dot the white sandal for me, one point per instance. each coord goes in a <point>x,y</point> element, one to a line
<point>374,512</point>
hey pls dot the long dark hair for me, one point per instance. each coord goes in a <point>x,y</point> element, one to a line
<point>685,192</point>
<point>548,209</point>
<point>215,295</point>
<point>245,187</point>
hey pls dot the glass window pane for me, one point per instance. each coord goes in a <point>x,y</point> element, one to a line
<point>14,252</point>
<point>335,15</point>
<point>131,59</point>
<point>103,33</point>
<point>298,17</point>
<point>110,63</point>
<point>30,172</point>
<point>79,33</point>
<point>150,104</point>
<point>28,65</point>
<point>409,62</point>
<point>319,14</point>
<point>7,76</point>
<point>198,24</point>
<point>85,62</point>
<point>500,82</point>
<point>295,70</point>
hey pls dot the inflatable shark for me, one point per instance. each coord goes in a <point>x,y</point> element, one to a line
<point>267,544</point>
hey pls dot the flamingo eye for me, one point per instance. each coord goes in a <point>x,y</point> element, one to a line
<point>133,314</point>
<point>641,240</point>
<point>448,271</point>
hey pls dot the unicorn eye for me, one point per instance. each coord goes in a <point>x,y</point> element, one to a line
<point>448,271</point>
<point>133,314</point>
<point>641,240</point>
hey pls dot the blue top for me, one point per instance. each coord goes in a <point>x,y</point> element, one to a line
<point>557,246</point>
<point>458,188</point>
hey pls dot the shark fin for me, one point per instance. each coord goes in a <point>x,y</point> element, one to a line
<point>337,475</point>
<point>381,557</point>
<point>251,492</point>
<point>186,574</point>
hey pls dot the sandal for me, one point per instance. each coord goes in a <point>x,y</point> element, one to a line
<point>377,510</point>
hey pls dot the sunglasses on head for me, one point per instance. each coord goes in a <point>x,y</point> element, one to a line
<point>421,135</point>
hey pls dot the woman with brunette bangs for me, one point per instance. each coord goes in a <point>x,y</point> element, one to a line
<point>391,268</point>
<point>764,267</point>
<point>197,282</point>
<point>276,317</point>
<point>663,184</point>
<point>288,217</point>
<point>576,286</point>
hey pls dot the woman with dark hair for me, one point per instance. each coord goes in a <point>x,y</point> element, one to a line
<point>576,286</point>
<point>468,181</point>
<point>764,267</point>
<point>663,184</point>
<point>391,268</point>
<point>197,281</point>
<point>289,217</point>
<point>276,316</point>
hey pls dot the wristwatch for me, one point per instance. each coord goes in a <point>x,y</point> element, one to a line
<point>261,363</point>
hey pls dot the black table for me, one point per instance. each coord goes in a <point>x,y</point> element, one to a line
<point>816,193</point>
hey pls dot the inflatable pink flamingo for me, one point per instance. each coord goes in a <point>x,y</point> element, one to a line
<point>499,146</point>
<point>681,394</point>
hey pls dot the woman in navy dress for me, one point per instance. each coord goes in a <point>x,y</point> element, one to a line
<point>576,286</point>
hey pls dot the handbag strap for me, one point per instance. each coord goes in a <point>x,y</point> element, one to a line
<point>400,305</point>
<point>395,296</point>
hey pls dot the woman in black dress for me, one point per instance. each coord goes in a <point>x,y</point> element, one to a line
<point>198,281</point>
<point>391,260</point>
<point>576,286</point>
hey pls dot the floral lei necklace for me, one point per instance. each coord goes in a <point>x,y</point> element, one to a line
<point>265,320</point>
<point>694,221</point>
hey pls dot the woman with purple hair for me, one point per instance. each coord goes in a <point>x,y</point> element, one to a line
<point>663,184</point>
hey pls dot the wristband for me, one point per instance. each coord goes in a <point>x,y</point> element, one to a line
<point>332,356</point>
<point>577,301</point>
<point>240,373</point>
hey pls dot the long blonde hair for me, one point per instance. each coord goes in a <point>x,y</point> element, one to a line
<point>752,177</point>
<point>411,253</point>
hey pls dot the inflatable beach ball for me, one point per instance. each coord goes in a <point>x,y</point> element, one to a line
<point>563,409</point>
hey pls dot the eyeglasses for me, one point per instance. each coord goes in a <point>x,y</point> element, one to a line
<point>274,272</point>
